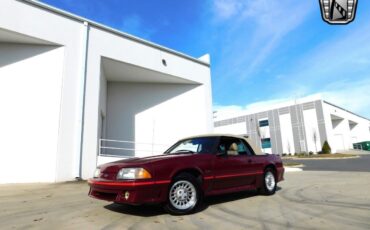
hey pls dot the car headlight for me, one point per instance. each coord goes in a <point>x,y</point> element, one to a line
<point>97,173</point>
<point>133,173</point>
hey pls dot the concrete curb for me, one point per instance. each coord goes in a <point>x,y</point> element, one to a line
<point>317,158</point>
<point>292,169</point>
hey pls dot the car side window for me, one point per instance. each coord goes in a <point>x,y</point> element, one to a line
<point>242,150</point>
<point>233,147</point>
<point>228,146</point>
<point>248,148</point>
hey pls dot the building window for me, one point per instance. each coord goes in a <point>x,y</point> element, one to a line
<point>263,123</point>
<point>266,143</point>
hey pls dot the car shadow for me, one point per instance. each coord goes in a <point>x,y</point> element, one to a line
<point>156,210</point>
<point>214,200</point>
<point>140,210</point>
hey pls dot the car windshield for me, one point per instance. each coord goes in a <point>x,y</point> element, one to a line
<point>194,145</point>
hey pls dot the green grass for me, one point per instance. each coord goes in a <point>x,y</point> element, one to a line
<point>337,155</point>
<point>291,164</point>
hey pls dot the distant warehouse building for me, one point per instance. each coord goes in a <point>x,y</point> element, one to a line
<point>75,94</point>
<point>299,126</point>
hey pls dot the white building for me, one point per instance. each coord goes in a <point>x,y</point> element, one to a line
<point>66,82</point>
<point>298,126</point>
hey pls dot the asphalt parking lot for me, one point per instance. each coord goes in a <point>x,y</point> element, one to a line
<point>357,164</point>
<point>305,200</point>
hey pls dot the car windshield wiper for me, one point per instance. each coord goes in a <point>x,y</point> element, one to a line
<point>183,151</point>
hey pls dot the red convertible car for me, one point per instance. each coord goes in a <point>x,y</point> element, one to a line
<point>191,169</point>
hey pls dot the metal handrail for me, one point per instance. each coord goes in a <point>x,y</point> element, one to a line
<point>133,142</point>
<point>141,150</point>
<point>101,147</point>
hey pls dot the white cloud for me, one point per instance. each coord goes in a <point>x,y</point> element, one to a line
<point>133,24</point>
<point>224,9</point>
<point>228,111</point>
<point>277,21</point>
<point>351,95</point>
<point>346,53</point>
<point>337,68</point>
<point>257,29</point>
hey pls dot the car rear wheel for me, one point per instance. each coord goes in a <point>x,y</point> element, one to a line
<point>269,182</point>
<point>184,195</point>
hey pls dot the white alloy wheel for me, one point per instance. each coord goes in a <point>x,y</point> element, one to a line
<point>270,181</point>
<point>183,195</point>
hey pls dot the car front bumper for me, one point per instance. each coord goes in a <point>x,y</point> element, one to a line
<point>129,192</point>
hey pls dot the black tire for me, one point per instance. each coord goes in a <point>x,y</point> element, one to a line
<point>188,184</point>
<point>269,183</point>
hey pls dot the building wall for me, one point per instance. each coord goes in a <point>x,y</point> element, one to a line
<point>275,134</point>
<point>30,96</point>
<point>287,133</point>
<point>238,128</point>
<point>111,46</point>
<point>312,130</point>
<point>301,127</point>
<point>45,93</point>
<point>340,134</point>
<point>35,22</point>
<point>157,111</point>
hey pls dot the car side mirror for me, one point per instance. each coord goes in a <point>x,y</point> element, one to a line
<point>220,154</point>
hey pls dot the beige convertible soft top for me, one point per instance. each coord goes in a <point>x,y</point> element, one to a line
<point>256,150</point>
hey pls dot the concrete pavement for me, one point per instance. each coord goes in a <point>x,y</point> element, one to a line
<point>358,164</point>
<point>305,200</point>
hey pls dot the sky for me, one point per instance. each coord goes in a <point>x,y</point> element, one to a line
<point>262,51</point>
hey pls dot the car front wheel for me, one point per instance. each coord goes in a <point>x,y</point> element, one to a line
<point>184,195</point>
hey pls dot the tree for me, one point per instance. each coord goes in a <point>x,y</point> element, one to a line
<point>288,147</point>
<point>314,138</point>
<point>326,148</point>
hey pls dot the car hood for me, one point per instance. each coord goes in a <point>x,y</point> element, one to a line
<point>138,162</point>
